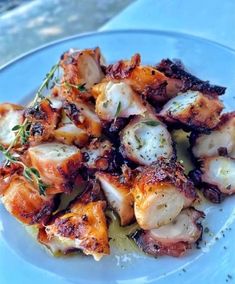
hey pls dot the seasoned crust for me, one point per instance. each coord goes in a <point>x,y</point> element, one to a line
<point>192,110</point>
<point>187,81</point>
<point>123,68</point>
<point>160,192</point>
<point>144,79</point>
<point>44,119</point>
<point>82,226</point>
<point>57,164</point>
<point>166,171</point>
<point>23,201</point>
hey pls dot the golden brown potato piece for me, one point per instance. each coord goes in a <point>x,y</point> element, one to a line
<point>83,115</point>
<point>173,239</point>
<point>119,196</point>
<point>57,163</point>
<point>161,191</point>
<point>219,141</point>
<point>10,116</point>
<point>144,140</point>
<point>193,110</point>
<point>24,202</point>
<point>82,227</point>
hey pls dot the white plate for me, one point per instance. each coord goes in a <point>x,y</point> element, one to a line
<point>22,260</point>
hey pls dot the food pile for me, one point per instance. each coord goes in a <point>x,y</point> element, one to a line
<point>106,130</point>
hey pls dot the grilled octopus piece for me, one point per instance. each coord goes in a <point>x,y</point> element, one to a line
<point>43,120</point>
<point>117,100</point>
<point>161,191</point>
<point>180,81</point>
<point>215,177</point>
<point>145,80</point>
<point>22,199</point>
<point>82,226</point>
<point>98,155</point>
<point>144,140</point>
<point>83,115</point>
<point>117,192</point>
<point>10,116</point>
<point>82,69</point>
<point>57,164</point>
<point>192,110</point>
<point>173,239</point>
<point>219,141</point>
<point>68,133</point>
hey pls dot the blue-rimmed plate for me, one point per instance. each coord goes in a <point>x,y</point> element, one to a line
<point>23,260</point>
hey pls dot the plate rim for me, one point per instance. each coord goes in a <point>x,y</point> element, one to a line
<point>118,31</point>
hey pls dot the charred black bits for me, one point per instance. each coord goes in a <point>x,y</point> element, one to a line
<point>37,129</point>
<point>222,151</point>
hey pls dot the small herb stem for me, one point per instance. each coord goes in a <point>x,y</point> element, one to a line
<point>30,173</point>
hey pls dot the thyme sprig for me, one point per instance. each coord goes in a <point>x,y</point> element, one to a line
<point>22,132</point>
<point>80,87</point>
<point>29,173</point>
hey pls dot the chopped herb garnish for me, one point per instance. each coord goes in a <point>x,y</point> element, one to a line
<point>80,87</point>
<point>151,122</point>
<point>140,145</point>
<point>206,230</point>
<point>229,187</point>
<point>105,104</point>
<point>118,109</point>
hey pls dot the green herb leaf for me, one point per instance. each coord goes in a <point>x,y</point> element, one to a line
<point>42,187</point>
<point>16,127</point>
<point>151,122</point>
<point>81,87</point>
<point>35,172</point>
<point>27,174</point>
<point>118,109</point>
<point>105,104</point>
<point>139,142</point>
